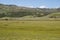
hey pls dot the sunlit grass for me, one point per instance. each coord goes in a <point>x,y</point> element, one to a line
<point>29,30</point>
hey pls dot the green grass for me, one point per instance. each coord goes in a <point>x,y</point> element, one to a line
<point>29,30</point>
<point>55,14</point>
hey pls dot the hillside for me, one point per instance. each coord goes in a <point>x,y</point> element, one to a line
<point>19,11</point>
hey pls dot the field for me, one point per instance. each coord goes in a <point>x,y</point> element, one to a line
<point>29,30</point>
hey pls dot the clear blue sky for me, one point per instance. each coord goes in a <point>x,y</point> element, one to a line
<point>33,3</point>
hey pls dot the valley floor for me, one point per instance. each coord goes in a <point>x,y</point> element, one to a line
<point>29,30</point>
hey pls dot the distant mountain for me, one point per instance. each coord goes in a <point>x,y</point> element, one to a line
<point>19,11</point>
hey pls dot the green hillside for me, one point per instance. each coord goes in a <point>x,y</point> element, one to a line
<point>19,11</point>
<point>55,15</point>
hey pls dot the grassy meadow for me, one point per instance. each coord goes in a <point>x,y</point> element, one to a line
<point>29,30</point>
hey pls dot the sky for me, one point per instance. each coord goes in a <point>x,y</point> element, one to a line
<point>33,3</point>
